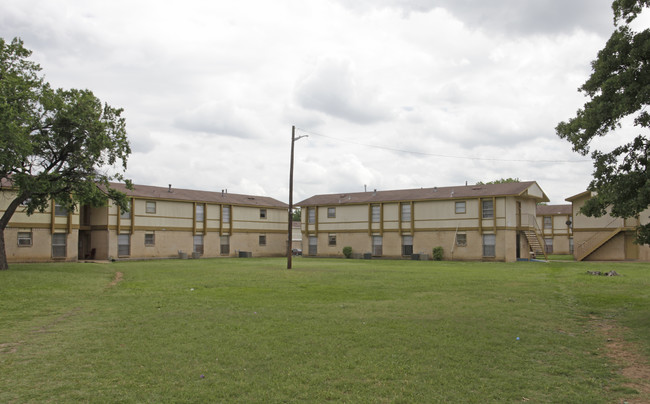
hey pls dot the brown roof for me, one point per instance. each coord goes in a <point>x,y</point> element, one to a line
<point>547,210</point>
<point>148,191</point>
<point>460,192</point>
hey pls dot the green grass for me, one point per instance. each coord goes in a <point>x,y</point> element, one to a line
<point>327,330</point>
<point>561,257</point>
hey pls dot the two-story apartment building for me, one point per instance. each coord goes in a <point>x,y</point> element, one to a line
<point>556,224</point>
<point>471,222</point>
<point>605,238</point>
<point>161,223</point>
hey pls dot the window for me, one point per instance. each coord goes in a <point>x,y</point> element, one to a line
<point>331,213</point>
<point>311,215</point>
<point>313,245</point>
<point>488,209</point>
<point>226,214</point>
<point>198,244</point>
<point>376,214</point>
<point>376,246</point>
<point>149,239</point>
<point>150,207</point>
<point>407,245</point>
<point>548,222</point>
<point>262,240</point>
<point>489,245</point>
<point>461,239</point>
<point>406,212</point>
<point>60,210</point>
<point>125,215</point>
<point>461,207</point>
<point>331,240</point>
<point>24,239</point>
<point>225,245</point>
<point>200,213</point>
<point>262,213</point>
<point>548,245</point>
<point>59,245</point>
<point>123,245</point>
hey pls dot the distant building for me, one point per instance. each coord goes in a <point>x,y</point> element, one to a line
<point>605,238</point>
<point>162,223</point>
<point>556,224</point>
<point>474,222</point>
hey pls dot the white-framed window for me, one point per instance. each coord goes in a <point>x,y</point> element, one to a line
<point>198,244</point>
<point>123,245</point>
<point>488,209</point>
<point>59,245</point>
<point>376,213</point>
<point>407,245</point>
<point>311,215</point>
<point>548,245</point>
<point>262,213</point>
<point>331,240</point>
<point>226,214</point>
<point>313,245</point>
<point>24,239</point>
<point>224,242</point>
<point>200,212</point>
<point>150,207</point>
<point>489,245</point>
<point>262,239</point>
<point>331,213</point>
<point>60,210</point>
<point>460,207</point>
<point>377,243</point>
<point>548,222</point>
<point>406,212</point>
<point>461,239</point>
<point>149,239</point>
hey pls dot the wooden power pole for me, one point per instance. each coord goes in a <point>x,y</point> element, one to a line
<point>290,232</point>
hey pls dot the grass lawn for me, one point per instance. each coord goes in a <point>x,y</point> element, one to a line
<point>248,330</point>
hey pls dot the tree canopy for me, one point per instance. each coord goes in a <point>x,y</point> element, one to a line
<point>499,181</point>
<point>55,143</point>
<point>618,88</point>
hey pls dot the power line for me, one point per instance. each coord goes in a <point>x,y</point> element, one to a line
<point>439,155</point>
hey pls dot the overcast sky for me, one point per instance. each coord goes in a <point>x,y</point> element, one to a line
<point>393,94</point>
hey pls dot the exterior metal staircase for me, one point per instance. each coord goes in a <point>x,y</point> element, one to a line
<point>535,242</point>
<point>595,243</point>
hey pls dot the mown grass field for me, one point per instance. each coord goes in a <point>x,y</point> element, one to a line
<point>248,330</point>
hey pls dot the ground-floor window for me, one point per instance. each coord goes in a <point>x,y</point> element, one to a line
<point>24,239</point>
<point>313,245</point>
<point>377,246</point>
<point>331,240</point>
<point>225,245</point>
<point>262,239</point>
<point>123,245</point>
<point>461,239</point>
<point>198,243</point>
<point>59,245</point>
<point>548,245</point>
<point>407,245</point>
<point>489,245</point>
<point>150,239</point>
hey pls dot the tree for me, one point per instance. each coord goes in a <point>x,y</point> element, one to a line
<point>619,87</point>
<point>55,144</point>
<point>499,181</point>
<point>297,214</point>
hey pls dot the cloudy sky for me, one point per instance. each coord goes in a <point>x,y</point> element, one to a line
<point>392,94</point>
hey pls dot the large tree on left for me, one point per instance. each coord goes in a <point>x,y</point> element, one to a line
<point>55,144</point>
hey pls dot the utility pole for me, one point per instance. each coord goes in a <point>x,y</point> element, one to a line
<point>290,232</point>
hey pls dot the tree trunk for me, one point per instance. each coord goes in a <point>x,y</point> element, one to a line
<point>4,221</point>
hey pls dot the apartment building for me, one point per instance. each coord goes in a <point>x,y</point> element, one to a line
<point>556,224</point>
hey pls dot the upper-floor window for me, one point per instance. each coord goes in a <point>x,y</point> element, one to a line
<point>311,215</point>
<point>488,209</point>
<point>150,207</point>
<point>60,210</point>
<point>200,212</point>
<point>406,212</point>
<point>461,207</point>
<point>226,214</point>
<point>262,213</point>
<point>331,213</point>
<point>548,222</point>
<point>125,215</point>
<point>376,213</point>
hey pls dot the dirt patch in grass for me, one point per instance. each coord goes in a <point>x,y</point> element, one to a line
<point>634,366</point>
<point>118,278</point>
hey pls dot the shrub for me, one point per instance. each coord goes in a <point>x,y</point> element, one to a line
<point>437,253</point>
<point>347,251</point>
